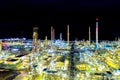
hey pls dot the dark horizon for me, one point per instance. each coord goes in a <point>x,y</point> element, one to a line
<point>18,19</point>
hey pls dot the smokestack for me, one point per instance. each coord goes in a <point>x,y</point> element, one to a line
<point>97,33</point>
<point>89,36</point>
<point>68,34</point>
<point>35,39</point>
<point>60,36</point>
<point>51,33</point>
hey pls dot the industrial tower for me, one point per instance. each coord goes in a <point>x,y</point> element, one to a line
<point>96,33</point>
<point>89,36</point>
<point>52,33</point>
<point>68,35</point>
<point>35,39</point>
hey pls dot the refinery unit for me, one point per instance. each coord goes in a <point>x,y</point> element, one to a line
<point>58,59</point>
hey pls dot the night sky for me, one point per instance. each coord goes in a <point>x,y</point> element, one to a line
<point>17,18</point>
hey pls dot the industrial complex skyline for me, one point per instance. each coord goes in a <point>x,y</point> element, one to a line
<point>20,17</point>
<point>60,40</point>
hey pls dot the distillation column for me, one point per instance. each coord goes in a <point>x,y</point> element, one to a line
<point>68,35</point>
<point>89,36</point>
<point>60,36</point>
<point>96,33</point>
<point>35,39</point>
<point>52,33</point>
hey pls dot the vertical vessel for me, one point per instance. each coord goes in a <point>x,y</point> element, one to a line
<point>35,39</point>
<point>60,36</point>
<point>68,34</point>
<point>89,36</point>
<point>96,33</point>
<point>51,33</point>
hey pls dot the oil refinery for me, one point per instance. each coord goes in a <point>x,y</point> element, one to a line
<point>56,59</point>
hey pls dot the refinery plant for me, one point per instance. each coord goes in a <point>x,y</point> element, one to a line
<point>57,59</point>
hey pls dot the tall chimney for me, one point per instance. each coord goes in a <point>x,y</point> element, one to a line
<point>96,33</point>
<point>60,36</point>
<point>89,36</point>
<point>68,34</point>
<point>51,33</point>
